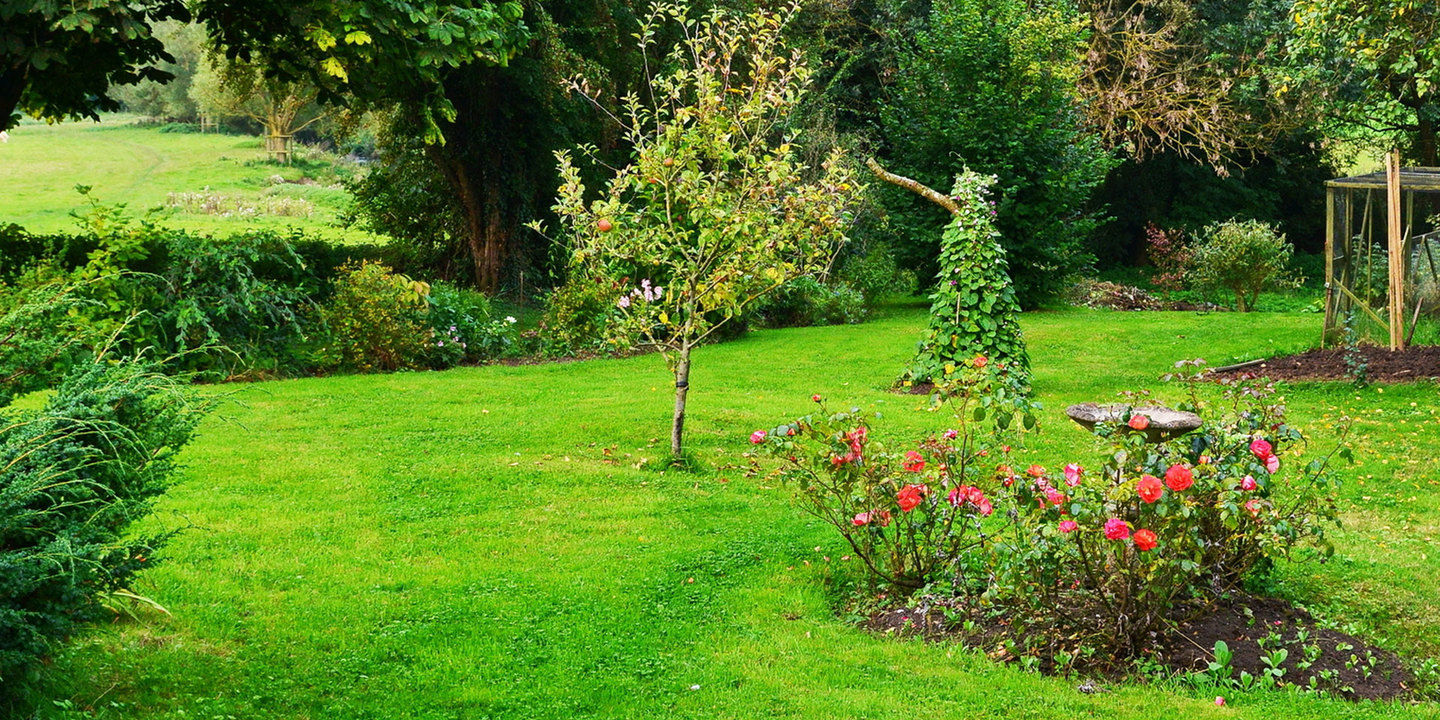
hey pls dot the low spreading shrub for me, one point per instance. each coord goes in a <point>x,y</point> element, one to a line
<point>74,477</point>
<point>1089,560</point>
<point>579,316</point>
<point>877,275</point>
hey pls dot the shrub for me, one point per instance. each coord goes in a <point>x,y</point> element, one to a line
<point>375,320</point>
<point>74,477</point>
<point>1170,255</point>
<point>464,328</point>
<point>1077,560</point>
<point>876,274</point>
<point>806,301</point>
<point>912,516</point>
<point>579,316</point>
<point>234,305</point>
<point>1242,258</point>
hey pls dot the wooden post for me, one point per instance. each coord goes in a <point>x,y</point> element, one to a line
<point>1330,315</point>
<point>1395,251</point>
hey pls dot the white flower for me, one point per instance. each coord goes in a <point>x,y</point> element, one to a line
<point>510,319</point>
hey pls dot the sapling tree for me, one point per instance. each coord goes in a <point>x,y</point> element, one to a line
<point>716,207</point>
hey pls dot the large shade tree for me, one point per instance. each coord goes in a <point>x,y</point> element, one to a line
<point>1373,66</point>
<point>61,60</point>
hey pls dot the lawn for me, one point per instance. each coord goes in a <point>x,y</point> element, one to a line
<point>141,166</point>
<point>492,542</point>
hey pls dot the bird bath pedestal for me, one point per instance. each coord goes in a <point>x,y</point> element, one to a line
<point>1165,423</point>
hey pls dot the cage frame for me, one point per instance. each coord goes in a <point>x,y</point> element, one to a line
<point>1396,189</point>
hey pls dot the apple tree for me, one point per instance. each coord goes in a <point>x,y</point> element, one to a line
<point>716,207</point>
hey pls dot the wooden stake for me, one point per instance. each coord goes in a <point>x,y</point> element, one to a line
<point>1330,315</point>
<point>1395,254</point>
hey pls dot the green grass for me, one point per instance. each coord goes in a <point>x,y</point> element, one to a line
<point>491,543</point>
<point>140,166</point>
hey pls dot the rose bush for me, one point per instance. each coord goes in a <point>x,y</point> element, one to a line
<point>1082,558</point>
<point>914,516</point>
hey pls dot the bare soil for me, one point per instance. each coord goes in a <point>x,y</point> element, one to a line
<point>1342,664</point>
<point>1380,364</point>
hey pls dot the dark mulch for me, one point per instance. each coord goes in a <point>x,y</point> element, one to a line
<point>1381,365</point>
<point>1190,648</point>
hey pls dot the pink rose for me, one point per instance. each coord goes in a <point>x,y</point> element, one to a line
<point>1068,526</point>
<point>1117,529</point>
<point>951,434</point>
<point>1248,483</point>
<point>1254,506</point>
<point>860,519</point>
<point>1261,448</point>
<point>1272,464</point>
<point>1072,474</point>
<point>816,398</point>
<point>980,361</point>
<point>757,437</point>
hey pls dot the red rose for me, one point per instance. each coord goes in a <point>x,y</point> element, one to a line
<point>1139,422</point>
<point>1145,540</point>
<point>1035,471</point>
<point>1150,488</point>
<point>1068,526</point>
<point>980,361</point>
<point>1178,478</point>
<point>1248,483</point>
<point>914,462</point>
<point>816,398</point>
<point>909,497</point>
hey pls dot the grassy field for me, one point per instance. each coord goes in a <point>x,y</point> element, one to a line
<point>491,543</point>
<point>141,166</point>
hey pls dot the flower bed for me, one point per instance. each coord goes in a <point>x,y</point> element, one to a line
<point>1079,566</point>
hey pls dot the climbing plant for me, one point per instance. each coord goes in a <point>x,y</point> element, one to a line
<point>973,311</point>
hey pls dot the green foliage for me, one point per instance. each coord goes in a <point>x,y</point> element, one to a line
<point>1371,65</point>
<point>62,60</point>
<point>579,316</point>
<point>876,274</point>
<point>974,310</point>
<point>74,476</point>
<point>991,86</point>
<point>373,54</point>
<point>805,301</point>
<point>375,320</point>
<point>464,327</point>
<point>1241,258</point>
<point>169,100</point>
<point>41,337</point>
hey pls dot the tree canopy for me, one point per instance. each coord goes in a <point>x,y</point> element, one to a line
<point>62,60</point>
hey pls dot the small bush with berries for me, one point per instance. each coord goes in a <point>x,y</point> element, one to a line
<point>1088,560</point>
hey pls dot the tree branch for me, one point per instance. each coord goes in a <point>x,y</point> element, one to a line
<point>915,186</point>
